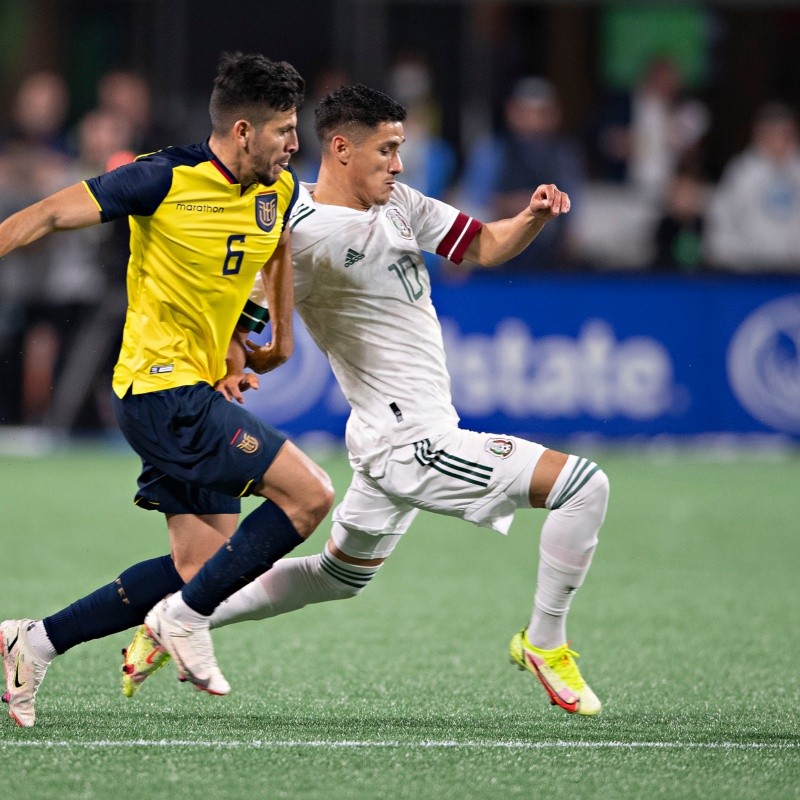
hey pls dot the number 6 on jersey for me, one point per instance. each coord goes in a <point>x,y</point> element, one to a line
<point>233,259</point>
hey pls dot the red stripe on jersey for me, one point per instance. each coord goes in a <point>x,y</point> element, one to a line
<point>458,238</point>
<point>226,173</point>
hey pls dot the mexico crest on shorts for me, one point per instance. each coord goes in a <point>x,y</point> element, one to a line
<point>499,446</point>
<point>266,210</point>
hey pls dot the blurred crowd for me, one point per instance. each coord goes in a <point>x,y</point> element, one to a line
<point>60,291</point>
<point>642,199</point>
<point>642,194</point>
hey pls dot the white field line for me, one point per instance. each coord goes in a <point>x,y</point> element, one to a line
<point>266,744</point>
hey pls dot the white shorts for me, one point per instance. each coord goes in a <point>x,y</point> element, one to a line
<point>482,478</point>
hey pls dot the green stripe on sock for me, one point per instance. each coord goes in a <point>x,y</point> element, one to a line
<point>356,575</point>
<point>352,578</point>
<point>581,484</point>
<point>580,465</point>
<point>583,470</point>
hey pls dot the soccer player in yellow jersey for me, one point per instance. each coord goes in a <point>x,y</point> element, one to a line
<point>204,220</point>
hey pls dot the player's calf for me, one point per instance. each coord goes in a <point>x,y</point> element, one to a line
<point>299,487</point>
<point>293,583</point>
<point>577,503</point>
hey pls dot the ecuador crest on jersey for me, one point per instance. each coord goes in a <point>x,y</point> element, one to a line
<point>266,211</point>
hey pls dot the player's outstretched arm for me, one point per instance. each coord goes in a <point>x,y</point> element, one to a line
<point>278,279</point>
<point>496,242</point>
<point>65,210</point>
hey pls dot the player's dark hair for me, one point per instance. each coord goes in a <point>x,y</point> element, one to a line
<point>253,87</point>
<point>355,105</point>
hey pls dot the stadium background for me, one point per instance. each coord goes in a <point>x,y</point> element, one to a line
<point>684,386</point>
<point>599,346</point>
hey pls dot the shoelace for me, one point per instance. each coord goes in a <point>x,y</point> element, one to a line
<point>563,660</point>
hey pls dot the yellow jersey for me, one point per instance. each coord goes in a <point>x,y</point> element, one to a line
<point>197,241</point>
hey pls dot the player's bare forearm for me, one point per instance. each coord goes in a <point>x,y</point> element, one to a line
<point>67,209</point>
<point>497,242</point>
<point>236,357</point>
<point>278,278</point>
<point>236,380</point>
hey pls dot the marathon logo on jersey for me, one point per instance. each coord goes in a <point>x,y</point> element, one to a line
<point>502,448</point>
<point>245,442</point>
<point>266,211</point>
<point>400,223</point>
<point>161,369</point>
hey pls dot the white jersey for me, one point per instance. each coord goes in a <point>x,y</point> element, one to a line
<point>363,292</point>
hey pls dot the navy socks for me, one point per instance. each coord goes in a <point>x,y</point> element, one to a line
<point>263,536</point>
<point>116,606</point>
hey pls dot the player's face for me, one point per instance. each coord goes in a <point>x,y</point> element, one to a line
<point>376,164</point>
<point>270,147</point>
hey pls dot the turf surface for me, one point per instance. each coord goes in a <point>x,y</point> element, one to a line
<point>688,626</point>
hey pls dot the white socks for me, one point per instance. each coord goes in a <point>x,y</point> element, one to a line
<point>291,584</point>
<point>40,642</point>
<point>177,609</point>
<point>577,504</point>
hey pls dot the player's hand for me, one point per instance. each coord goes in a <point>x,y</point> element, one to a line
<point>234,384</point>
<point>262,358</point>
<point>548,201</point>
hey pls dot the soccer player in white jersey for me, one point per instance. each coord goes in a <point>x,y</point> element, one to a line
<point>362,289</point>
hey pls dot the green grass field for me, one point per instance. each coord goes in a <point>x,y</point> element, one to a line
<point>688,625</point>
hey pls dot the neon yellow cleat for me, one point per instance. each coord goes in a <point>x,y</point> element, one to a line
<point>558,673</point>
<point>141,660</point>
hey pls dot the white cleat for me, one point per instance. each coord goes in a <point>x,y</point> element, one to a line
<point>190,647</point>
<point>24,671</point>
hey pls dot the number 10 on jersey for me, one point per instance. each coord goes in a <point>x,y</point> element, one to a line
<point>406,269</point>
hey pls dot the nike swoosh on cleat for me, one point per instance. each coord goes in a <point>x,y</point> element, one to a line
<point>11,646</point>
<point>531,660</point>
<point>200,683</point>
<point>17,684</point>
<point>555,698</point>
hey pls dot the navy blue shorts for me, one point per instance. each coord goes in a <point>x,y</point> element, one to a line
<point>200,452</point>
